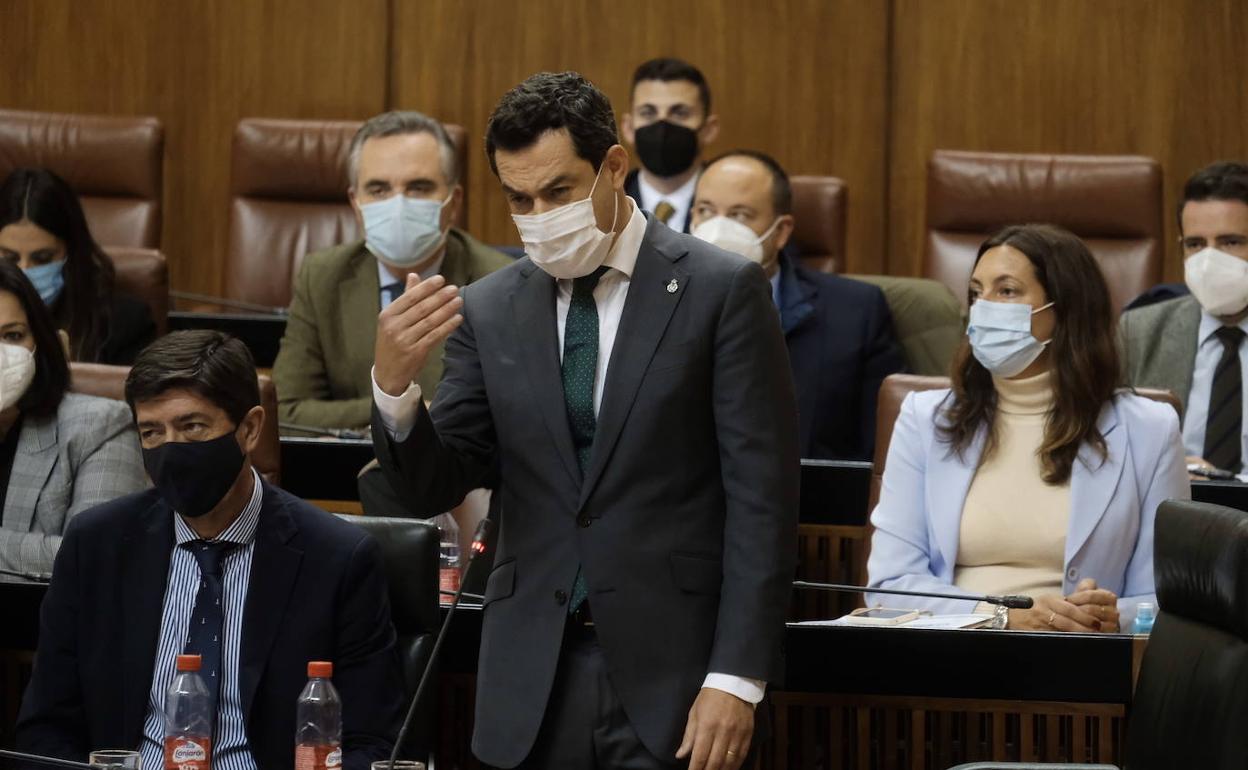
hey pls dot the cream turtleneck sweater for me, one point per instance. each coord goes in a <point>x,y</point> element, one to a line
<point>1012,538</point>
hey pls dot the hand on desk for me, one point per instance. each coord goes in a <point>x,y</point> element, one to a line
<point>1098,602</point>
<point>423,316</point>
<point>718,733</point>
<point>1088,610</point>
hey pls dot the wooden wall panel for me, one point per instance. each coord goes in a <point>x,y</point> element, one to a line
<point>1163,78</point>
<point>199,66</point>
<point>802,79</point>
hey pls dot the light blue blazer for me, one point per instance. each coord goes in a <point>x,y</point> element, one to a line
<point>1113,504</point>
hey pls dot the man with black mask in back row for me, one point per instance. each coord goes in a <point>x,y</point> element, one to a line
<point>668,124</point>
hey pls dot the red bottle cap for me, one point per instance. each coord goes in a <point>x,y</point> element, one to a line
<point>189,662</point>
<point>320,669</point>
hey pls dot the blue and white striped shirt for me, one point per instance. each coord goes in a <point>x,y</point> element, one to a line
<point>229,746</point>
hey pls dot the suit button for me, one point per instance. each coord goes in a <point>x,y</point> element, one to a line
<point>561,597</point>
<point>584,520</point>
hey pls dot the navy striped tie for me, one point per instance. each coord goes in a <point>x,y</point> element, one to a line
<point>580,367</point>
<point>203,638</point>
<point>1224,428</point>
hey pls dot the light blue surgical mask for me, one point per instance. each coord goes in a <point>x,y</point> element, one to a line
<point>1001,339</point>
<point>49,280</point>
<point>403,231</point>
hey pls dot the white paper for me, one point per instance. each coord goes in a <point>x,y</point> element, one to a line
<point>936,622</point>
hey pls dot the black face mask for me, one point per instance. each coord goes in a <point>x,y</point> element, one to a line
<point>193,476</point>
<point>666,149</point>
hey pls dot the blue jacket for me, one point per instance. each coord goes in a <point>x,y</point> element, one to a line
<point>1113,504</point>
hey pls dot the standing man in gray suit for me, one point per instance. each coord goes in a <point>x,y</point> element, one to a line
<point>1194,346</point>
<point>632,385</point>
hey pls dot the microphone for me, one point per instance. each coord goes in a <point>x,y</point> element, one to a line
<point>1013,602</point>
<point>478,548</point>
<point>235,304</point>
<point>34,577</point>
<point>40,760</point>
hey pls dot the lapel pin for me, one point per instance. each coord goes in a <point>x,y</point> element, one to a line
<point>672,286</point>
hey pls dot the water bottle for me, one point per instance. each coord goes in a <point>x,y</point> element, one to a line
<point>1145,615</point>
<point>188,718</point>
<point>448,559</point>
<point>318,721</point>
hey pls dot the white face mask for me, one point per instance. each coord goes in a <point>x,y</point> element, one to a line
<point>1001,339</point>
<point>1218,280</point>
<point>737,237</point>
<point>566,242</point>
<point>403,231</point>
<point>17,370</point>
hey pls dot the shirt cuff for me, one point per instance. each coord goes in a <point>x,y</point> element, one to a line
<point>748,690</point>
<point>398,413</point>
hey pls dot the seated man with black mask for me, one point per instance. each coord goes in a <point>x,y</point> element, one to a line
<point>276,582</point>
<point>668,124</point>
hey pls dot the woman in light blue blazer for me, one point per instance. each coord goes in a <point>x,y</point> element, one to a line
<point>1034,473</point>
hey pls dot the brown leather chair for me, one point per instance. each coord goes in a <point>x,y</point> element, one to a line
<point>288,190</point>
<point>113,163</point>
<point>1114,203</point>
<point>819,209</point>
<point>110,382</point>
<point>896,387</point>
<point>143,273</point>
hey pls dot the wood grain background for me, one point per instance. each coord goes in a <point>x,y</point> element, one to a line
<point>861,89</point>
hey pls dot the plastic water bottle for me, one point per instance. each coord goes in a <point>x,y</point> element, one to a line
<point>1145,615</point>
<point>448,559</point>
<point>188,718</point>
<point>318,721</point>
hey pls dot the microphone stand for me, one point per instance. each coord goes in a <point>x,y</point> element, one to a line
<point>1013,602</point>
<point>478,548</point>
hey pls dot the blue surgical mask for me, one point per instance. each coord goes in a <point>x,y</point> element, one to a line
<point>1001,339</point>
<point>403,231</point>
<point>49,280</point>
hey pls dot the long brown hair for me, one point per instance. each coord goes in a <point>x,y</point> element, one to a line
<point>1083,355</point>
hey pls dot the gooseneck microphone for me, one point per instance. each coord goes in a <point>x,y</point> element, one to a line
<point>478,548</point>
<point>50,761</point>
<point>1013,602</point>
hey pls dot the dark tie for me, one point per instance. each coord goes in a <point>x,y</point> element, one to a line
<point>393,290</point>
<point>203,638</point>
<point>1226,405</point>
<point>580,365</point>
<point>664,211</point>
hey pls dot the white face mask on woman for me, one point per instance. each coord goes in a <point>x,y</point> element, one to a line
<point>1001,338</point>
<point>17,371</point>
<point>1218,281</point>
<point>566,242</point>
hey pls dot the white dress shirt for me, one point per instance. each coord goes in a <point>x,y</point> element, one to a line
<point>1208,353</point>
<point>680,199</point>
<point>398,413</point>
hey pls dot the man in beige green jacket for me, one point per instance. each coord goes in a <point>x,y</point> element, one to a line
<point>404,187</point>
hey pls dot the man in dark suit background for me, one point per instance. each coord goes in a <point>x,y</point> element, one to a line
<point>631,383</point>
<point>839,331</point>
<point>213,561</point>
<point>669,123</point>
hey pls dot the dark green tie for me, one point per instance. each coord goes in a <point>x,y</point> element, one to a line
<point>580,365</point>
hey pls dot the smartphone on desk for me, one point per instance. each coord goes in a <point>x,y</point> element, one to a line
<point>880,616</point>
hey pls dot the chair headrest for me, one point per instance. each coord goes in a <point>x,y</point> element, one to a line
<point>1200,564</point>
<point>410,550</point>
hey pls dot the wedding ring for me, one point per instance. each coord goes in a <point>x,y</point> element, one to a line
<point>1052,617</point>
<point>731,753</point>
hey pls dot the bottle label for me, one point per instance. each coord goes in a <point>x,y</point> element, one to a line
<point>184,753</point>
<point>448,579</point>
<point>317,757</point>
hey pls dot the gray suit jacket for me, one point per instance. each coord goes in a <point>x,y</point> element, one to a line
<point>1158,345</point>
<point>685,522</point>
<point>87,454</point>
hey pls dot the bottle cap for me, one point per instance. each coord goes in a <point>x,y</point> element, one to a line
<point>320,669</point>
<point>189,662</point>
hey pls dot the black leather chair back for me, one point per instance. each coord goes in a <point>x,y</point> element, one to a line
<point>1191,702</point>
<point>409,548</point>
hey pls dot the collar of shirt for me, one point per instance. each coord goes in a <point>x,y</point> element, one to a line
<point>681,199</point>
<point>385,277</point>
<point>1210,324</point>
<point>242,531</point>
